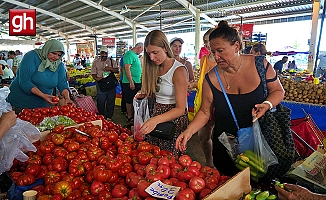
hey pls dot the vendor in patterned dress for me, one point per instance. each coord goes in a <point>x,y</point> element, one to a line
<point>167,79</point>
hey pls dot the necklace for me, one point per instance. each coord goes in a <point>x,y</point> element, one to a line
<point>228,84</point>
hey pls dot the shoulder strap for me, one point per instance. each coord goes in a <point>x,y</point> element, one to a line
<point>259,60</point>
<point>226,97</point>
<point>111,62</point>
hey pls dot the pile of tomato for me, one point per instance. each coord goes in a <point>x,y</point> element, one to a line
<point>109,164</point>
<point>36,115</point>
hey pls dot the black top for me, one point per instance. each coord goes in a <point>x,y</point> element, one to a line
<point>242,105</point>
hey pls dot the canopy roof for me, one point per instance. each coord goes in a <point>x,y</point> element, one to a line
<point>81,20</point>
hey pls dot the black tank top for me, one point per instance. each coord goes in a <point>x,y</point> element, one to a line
<point>242,105</point>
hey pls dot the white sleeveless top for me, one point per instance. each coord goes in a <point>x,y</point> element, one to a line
<point>166,93</point>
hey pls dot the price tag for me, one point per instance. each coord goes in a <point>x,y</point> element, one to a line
<point>161,190</point>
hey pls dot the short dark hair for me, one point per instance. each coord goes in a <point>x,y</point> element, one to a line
<point>226,32</point>
<point>11,53</point>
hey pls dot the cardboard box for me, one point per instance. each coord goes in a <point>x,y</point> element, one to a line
<point>234,188</point>
<point>45,133</point>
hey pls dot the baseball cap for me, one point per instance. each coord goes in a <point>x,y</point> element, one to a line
<point>2,62</point>
<point>103,48</point>
<point>176,39</point>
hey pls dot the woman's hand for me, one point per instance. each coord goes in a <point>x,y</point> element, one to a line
<point>48,98</point>
<point>8,118</point>
<point>148,126</point>
<point>297,193</point>
<point>181,142</point>
<point>69,101</point>
<point>140,96</point>
<point>259,110</point>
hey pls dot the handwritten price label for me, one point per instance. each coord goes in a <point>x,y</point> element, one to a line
<point>161,190</point>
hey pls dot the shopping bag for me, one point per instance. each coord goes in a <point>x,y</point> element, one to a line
<point>141,114</point>
<point>309,132</point>
<point>86,103</point>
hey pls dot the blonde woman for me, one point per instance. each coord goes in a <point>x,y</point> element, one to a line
<point>167,79</point>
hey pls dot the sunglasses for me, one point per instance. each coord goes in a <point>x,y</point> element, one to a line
<point>158,81</point>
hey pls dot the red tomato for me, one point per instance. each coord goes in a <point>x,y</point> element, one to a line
<point>73,146</point>
<point>48,158</point>
<point>104,195</point>
<point>76,167</point>
<point>102,174</point>
<point>186,194</point>
<point>64,188</point>
<point>58,129</point>
<point>76,193</point>
<point>112,136</point>
<point>125,149</point>
<point>96,188</point>
<point>35,159</point>
<point>197,184</point>
<point>185,160</point>
<point>125,169</point>
<point>15,175</point>
<point>59,164</point>
<point>60,152</point>
<point>26,179</point>
<point>196,164</point>
<point>144,157</point>
<point>47,146</point>
<point>58,138</point>
<point>135,180</point>
<point>119,191</point>
<point>141,187</point>
<point>153,176</point>
<point>164,170</point>
<point>204,193</point>
<point>33,169</point>
<point>55,99</point>
<point>52,177</point>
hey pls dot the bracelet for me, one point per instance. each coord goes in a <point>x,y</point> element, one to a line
<point>269,103</point>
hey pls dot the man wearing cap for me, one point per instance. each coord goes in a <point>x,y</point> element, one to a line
<point>131,80</point>
<point>102,68</point>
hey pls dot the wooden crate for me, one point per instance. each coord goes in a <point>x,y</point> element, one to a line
<point>45,133</point>
<point>234,188</point>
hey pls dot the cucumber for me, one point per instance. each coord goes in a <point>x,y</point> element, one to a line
<point>271,197</point>
<point>262,195</point>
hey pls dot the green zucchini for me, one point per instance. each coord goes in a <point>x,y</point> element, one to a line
<point>262,195</point>
<point>271,197</point>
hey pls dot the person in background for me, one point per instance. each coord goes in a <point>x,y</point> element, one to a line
<point>176,47</point>
<point>207,62</point>
<point>40,72</point>
<point>2,56</point>
<point>7,120</point>
<point>16,61</point>
<point>247,50</point>
<point>77,60</point>
<point>259,50</point>
<point>321,69</point>
<point>123,100</point>
<point>19,54</point>
<point>278,66</point>
<point>297,193</point>
<point>88,62</point>
<point>105,99</point>
<point>167,78</point>
<point>203,51</point>
<point>131,78</point>
<point>11,56</point>
<point>244,88</point>
<point>292,65</point>
<point>8,74</point>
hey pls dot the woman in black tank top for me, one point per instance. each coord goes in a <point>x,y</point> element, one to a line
<point>244,88</point>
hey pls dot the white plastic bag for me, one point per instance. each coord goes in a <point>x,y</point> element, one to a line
<point>18,139</point>
<point>141,114</point>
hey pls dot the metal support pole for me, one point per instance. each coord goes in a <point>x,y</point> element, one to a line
<point>197,35</point>
<point>319,39</point>
<point>313,39</point>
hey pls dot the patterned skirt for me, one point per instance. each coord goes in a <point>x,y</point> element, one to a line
<point>180,123</point>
